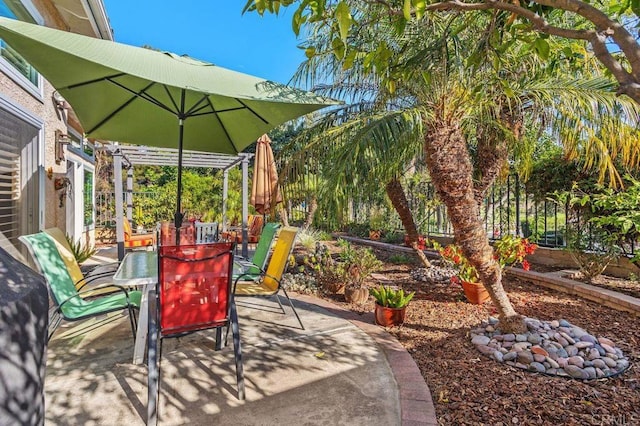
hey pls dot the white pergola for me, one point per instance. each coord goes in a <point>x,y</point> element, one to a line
<point>134,155</point>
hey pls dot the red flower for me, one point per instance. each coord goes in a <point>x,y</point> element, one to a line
<point>525,265</point>
<point>456,259</point>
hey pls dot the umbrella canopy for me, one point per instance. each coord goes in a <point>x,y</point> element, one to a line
<point>265,193</point>
<point>137,95</point>
<point>142,96</point>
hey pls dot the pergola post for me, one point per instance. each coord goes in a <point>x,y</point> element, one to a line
<point>245,206</point>
<point>117,174</point>
<point>130,194</point>
<point>225,196</point>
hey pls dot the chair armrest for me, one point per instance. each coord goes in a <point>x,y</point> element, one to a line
<point>96,268</point>
<point>80,293</point>
<point>263,274</point>
<point>86,280</point>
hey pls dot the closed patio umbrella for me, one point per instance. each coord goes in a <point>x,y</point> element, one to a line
<point>146,97</point>
<point>265,193</point>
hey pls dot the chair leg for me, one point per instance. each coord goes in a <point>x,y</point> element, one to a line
<point>237,350</point>
<point>153,358</point>
<point>279,303</point>
<point>292,307</point>
<point>133,321</point>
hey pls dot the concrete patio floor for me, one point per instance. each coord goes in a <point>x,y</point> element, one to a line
<point>332,373</point>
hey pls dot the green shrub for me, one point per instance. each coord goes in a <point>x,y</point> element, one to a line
<point>308,238</point>
<point>590,262</point>
<point>400,259</point>
<point>393,237</point>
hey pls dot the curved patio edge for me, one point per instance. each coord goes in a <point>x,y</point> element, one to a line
<point>416,404</point>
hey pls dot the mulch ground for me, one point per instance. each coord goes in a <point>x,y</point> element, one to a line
<point>471,389</point>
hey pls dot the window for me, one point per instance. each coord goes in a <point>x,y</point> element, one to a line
<point>19,189</point>
<point>88,198</point>
<point>80,145</point>
<point>17,9</point>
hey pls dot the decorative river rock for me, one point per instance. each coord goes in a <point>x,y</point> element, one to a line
<point>551,347</point>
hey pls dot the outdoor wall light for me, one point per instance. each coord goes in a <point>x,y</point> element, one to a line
<point>61,140</point>
<point>62,106</point>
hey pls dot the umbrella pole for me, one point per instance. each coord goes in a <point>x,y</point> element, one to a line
<point>178,216</point>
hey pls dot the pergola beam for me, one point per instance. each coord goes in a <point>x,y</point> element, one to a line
<point>151,156</point>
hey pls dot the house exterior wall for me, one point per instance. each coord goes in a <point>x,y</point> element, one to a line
<point>52,212</point>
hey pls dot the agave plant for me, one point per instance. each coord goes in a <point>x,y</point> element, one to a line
<point>391,298</point>
<point>80,251</point>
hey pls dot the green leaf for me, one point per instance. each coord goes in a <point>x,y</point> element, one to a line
<point>406,10</point>
<point>344,19</point>
<point>310,52</point>
<point>338,48</point>
<point>399,24</point>
<point>635,6</point>
<point>348,60</point>
<point>297,21</point>
<point>542,48</point>
<point>420,6</point>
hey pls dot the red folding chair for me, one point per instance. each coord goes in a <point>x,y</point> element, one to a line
<point>194,293</point>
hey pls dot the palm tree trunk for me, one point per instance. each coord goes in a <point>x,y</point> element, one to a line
<point>284,216</point>
<point>313,206</point>
<point>398,198</point>
<point>450,168</point>
<point>492,155</point>
<point>493,152</point>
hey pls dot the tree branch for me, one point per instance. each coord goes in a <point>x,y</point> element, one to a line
<point>606,27</point>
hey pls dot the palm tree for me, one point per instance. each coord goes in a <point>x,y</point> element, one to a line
<point>430,93</point>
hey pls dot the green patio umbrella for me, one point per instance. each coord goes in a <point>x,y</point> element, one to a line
<point>147,97</point>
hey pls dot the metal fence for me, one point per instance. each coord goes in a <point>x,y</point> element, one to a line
<point>106,206</point>
<point>507,209</point>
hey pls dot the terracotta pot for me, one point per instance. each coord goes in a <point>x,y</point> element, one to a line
<point>475,292</point>
<point>357,295</point>
<point>388,317</point>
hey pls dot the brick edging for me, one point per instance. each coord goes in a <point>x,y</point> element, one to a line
<point>416,404</point>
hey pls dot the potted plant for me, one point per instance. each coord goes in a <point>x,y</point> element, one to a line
<point>508,251</point>
<point>357,265</point>
<point>348,272</point>
<point>328,272</point>
<point>391,305</point>
<point>376,224</point>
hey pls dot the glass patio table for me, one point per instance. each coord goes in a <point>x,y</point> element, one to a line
<point>139,269</point>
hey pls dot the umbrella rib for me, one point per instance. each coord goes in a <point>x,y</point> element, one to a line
<point>252,111</point>
<point>120,108</point>
<point>217,112</point>
<point>142,95</point>
<point>224,129</point>
<point>84,83</point>
<point>173,101</point>
<point>196,107</point>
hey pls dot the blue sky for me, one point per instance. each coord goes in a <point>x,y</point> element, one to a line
<point>211,30</point>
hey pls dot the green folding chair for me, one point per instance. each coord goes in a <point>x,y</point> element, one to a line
<point>68,299</point>
<point>256,265</point>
